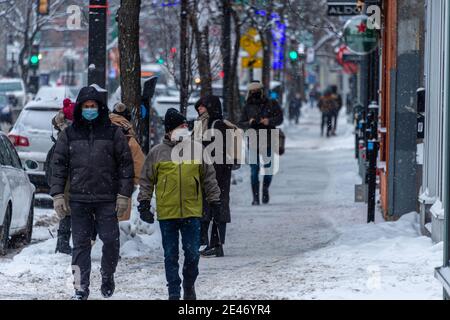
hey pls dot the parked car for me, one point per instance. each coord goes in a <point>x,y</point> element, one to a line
<point>32,136</point>
<point>163,103</point>
<point>15,88</point>
<point>161,89</point>
<point>58,93</point>
<point>5,110</point>
<point>16,196</point>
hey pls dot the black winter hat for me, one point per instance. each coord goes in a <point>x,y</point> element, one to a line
<point>173,119</point>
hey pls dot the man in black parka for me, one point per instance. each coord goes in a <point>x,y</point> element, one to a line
<point>94,155</point>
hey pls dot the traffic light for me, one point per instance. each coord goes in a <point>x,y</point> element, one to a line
<point>293,55</point>
<point>34,57</point>
<point>160,61</point>
<point>43,7</point>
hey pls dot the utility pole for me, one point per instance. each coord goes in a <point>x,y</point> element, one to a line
<point>226,53</point>
<point>97,42</point>
<point>184,40</point>
<point>372,156</point>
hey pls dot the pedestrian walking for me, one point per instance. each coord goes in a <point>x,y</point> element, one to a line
<point>60,122</point>
<point>260,114</point>
<point>295,106</point>
<point>121,117</point>
<point>94,156</point>
<point>314,96</point>
<point>327,105</point>
<point>179,187</point>
<point>209,109</point>
<point>337,109</point>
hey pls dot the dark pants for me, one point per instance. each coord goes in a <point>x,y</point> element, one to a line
<point>335,117</point>
<point>86,217</point>
<point>327,120</point>
<point>64,228</point>
<point>218,233</point>
<point>190,238</point>
<point>255,168</point>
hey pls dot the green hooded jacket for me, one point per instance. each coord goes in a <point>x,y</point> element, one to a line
<point>179,185</point>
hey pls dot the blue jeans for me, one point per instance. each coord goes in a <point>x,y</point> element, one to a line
<point>255,169</point>
<point>190,238</point>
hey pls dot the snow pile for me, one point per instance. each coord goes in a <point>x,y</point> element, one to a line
<point>376,261</point>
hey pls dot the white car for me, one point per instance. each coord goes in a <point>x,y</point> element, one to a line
<point>160,89</point>
<point>164,103</point>
<point>16,196</point>
<point>58,93</point>
<point>32,136</point>
<point>16,88</point>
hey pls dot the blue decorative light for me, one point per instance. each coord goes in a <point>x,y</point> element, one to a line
<point>273,95</point>
<point>166,3</point>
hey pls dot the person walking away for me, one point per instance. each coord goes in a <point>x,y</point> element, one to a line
<point>121,117</point>
<point>295,107</point>
<point>327,105</point>
<point>179,187</point>
<point>93,155</point>
<point>260,113</point>
<point>60,122</point>
<point>209,109</point>
<point>313,97</point>
<point>338,107</point>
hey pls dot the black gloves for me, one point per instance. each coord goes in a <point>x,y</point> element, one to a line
<point>216,210</point>
<point>144,210</point>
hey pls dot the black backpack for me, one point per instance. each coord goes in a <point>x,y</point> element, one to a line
<point>48,162</point>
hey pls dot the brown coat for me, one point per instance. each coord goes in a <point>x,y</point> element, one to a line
<point>136,151</point>
<point>328,104</point>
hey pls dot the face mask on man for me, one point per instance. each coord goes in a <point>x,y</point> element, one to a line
<point>90,114</point>
<point>257,95</point>
<point>180,134</point>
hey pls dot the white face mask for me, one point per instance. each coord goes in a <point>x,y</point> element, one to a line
<point>180,134</point>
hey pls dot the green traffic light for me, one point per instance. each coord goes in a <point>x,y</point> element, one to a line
<point>293,55</point>
<point>161,61</point>
<point>34,59</point>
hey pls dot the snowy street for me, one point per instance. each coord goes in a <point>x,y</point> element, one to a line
<point>311,242</point>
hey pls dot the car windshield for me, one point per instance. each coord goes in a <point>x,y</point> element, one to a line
<point>10,86</point>
<point>37,119</point>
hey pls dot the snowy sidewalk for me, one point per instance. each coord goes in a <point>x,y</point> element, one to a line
<point>311,242</point>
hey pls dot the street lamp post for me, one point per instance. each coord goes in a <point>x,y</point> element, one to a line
<point>97,42</point>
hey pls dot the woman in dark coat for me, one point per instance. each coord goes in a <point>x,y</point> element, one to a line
<point>209,109</point>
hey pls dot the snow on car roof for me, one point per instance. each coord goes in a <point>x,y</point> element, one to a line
<point>8,80</point>
<point>44,104</point>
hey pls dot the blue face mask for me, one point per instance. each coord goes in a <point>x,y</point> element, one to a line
<point>90,114</point>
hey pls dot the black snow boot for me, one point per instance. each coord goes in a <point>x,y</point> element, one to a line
<point>213,252</point>
<point>80,295</point>
<point>189,293</point>
<point>108,285</point>
<point>255,189</point>
<point>265,196</point>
